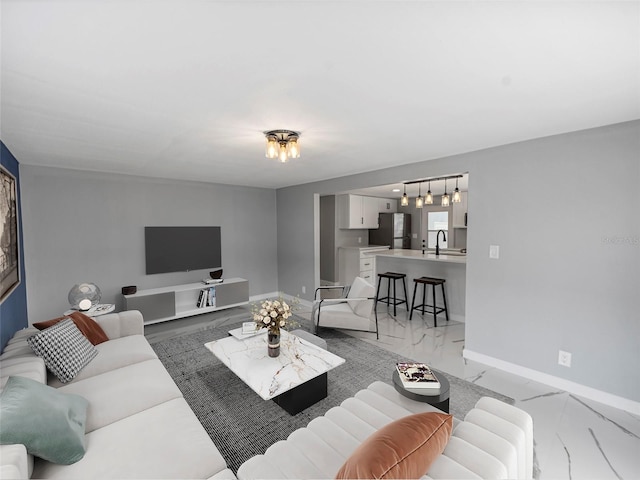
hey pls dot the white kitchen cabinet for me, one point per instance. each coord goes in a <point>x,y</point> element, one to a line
<point>357,262</point>
<point>459,211</point>
<point>357,211</point>
<point>387,205</point>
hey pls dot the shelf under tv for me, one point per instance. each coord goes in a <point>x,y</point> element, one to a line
<point>178,301</point>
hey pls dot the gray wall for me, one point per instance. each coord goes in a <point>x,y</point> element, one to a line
<point>564,211</point>
<point>89,227</point>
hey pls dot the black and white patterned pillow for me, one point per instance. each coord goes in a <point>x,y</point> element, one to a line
<point>64,349</point>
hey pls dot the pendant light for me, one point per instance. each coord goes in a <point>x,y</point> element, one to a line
<point>405,200</point>
<point>419,199</point>
<point>456,194</point>
<point>429,198</point>
<point>445,197</point>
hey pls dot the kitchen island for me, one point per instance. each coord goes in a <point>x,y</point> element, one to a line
<point>415,264</point>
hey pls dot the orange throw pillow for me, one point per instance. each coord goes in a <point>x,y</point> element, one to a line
<point>405,448</point>
<point>87,325</point>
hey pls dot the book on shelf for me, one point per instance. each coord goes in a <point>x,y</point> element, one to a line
<point>199,302</point>
<point>417,375</point>
<point>212,297</point>
<point>203,298</point>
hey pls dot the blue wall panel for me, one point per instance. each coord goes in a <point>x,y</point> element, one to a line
<point>13,310</point>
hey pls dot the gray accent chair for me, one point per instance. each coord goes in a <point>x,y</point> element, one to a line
<point>351,311</point>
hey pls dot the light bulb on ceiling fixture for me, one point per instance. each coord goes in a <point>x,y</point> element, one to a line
<point>445,197</point>
<point>283,153</point>
<point>419,199</point>
<point>292,148</point>
<point>405,200</point>
<point>272,147</point>
<point>456,194</point>
<point>428,199</point>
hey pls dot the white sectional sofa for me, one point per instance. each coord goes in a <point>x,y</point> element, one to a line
<point>138,423</point>
<point>140,426</point>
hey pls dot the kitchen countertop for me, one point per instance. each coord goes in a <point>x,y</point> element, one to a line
<point>428,256</point>
<point>367,247</point>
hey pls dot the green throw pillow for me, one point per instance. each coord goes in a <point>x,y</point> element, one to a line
<point>49,423</point>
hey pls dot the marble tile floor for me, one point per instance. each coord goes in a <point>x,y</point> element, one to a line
<point>575,438</point>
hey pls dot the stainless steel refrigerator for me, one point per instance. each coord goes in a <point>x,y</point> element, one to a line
<point>394,230</point>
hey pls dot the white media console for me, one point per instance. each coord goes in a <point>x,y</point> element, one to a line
<point>178,301</point>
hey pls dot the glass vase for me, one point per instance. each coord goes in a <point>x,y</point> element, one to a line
<point>273,341</point>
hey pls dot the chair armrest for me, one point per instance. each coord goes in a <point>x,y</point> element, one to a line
<point>123,324</point>
<point>331,300</point>
<point>15,462</point>
<point>342,300</point>
<point>329,287</point>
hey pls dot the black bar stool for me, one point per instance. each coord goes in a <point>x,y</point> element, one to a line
<point>388,299</point>
<point>424,306</point>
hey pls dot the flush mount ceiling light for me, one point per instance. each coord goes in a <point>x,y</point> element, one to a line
<point>405,200</point>
<point>282,144</point>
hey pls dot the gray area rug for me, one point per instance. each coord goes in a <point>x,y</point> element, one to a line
<point>242,425</point>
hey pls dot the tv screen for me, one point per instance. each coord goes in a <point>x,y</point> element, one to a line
<point>181,249</point>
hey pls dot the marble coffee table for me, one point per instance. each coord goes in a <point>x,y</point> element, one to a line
<point>295,380</point>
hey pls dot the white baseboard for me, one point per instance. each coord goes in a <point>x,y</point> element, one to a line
<point>557,382</point>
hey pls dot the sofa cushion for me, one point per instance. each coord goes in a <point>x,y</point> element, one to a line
<point>360,288</point>
<point>123,392</point>
<point>404,448</point>
<point>87,325</point>
<point>48,423</point>
<point>165,441</point>
<point>340,315</point>
<point>64,349</point>
<point>114,354</point>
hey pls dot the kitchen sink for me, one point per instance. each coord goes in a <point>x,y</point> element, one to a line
<point>455,253</point>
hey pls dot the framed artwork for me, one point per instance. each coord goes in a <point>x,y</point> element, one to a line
<point>9,254</point>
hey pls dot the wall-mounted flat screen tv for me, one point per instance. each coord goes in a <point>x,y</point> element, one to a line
<point>181,249</point>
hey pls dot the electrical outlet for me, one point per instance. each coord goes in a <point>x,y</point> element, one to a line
<point>359,239</point>
<point>494,251</point>
<point>304,289</point>
<point>564,358</point>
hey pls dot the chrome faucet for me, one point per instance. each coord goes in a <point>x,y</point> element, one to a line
<point>444,239</point>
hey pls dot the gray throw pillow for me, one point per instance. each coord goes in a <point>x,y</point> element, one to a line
<point>64,349</point>
<point>50,424</point>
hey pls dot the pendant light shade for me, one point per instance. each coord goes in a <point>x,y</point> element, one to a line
<point>428,199</point>
<point>292,148</point>
<point>445,197</point>
<point>273,148</point>
<point>456,194</point>
<point>282,155</point>
<point>405,200</point>
<point>419,199</point>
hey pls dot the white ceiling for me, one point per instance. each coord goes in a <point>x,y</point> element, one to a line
<point>184,89</point>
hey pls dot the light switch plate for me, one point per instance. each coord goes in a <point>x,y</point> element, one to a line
<point>494,251</point>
